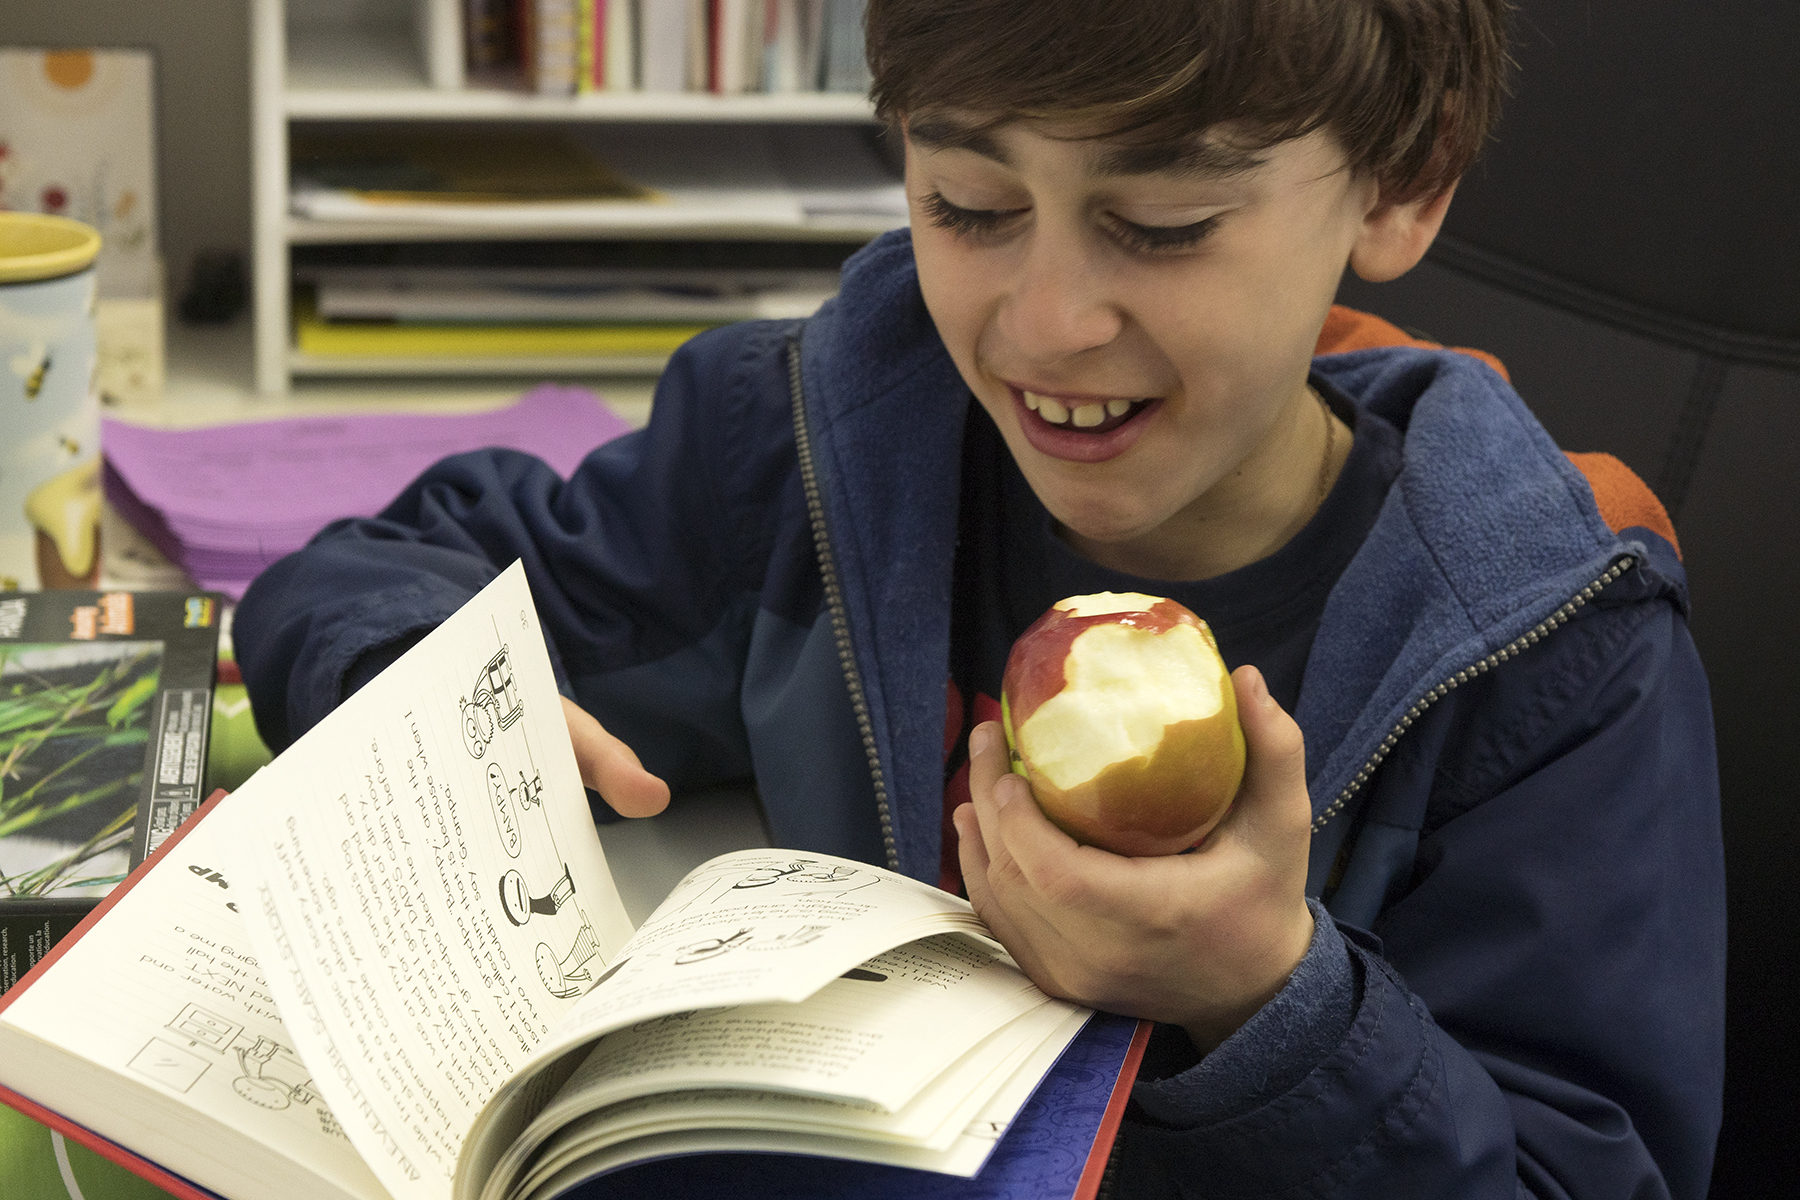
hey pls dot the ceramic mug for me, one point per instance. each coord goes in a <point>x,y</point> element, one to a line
<point>49,407</point>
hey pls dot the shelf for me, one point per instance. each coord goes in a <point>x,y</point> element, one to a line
<point>549,366</point>
<point>364,75</point>
<point>734,169</point>
<point>304,232</point>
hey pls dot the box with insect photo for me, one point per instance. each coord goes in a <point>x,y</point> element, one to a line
<point>105,699</point>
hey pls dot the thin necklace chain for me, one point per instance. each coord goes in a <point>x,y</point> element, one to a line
<point>1330,446</point>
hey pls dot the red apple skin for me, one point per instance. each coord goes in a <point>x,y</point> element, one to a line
<point>1144,806</point>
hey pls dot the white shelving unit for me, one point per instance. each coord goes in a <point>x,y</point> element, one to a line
<point>398,61</point>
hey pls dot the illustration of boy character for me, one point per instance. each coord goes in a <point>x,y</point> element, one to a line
<point>1462,933</point>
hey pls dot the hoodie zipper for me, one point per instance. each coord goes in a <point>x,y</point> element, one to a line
<point>834,601</point>
<point>1519,644</point>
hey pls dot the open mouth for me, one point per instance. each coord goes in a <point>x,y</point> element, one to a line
<point>1096,418</point>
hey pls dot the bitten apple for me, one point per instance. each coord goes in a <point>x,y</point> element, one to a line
<point>1121,715</point>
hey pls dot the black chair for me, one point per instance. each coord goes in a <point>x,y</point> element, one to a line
<point>1630,247</point>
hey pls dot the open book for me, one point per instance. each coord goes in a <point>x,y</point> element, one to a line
<point>394,964</point>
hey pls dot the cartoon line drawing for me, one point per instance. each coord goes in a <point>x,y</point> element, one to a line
<point>493,704</point>
<point>518,903</point>
<point>712,947</point>
<point>510,802</point>
<point>746,936</point>
<point>270,1075</point>
<point>797,877</point>
<point>256,1084</point>
<point>564,976</point>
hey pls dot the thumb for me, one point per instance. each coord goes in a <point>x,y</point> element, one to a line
<point>1272,797</point>
<point>611,767</point>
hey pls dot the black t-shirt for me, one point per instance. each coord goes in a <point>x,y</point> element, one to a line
<point>1011,567</point>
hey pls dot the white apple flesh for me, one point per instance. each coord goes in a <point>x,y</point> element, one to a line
<point>1120,713</point>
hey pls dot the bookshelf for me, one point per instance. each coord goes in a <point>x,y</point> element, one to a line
<point>349,65</point>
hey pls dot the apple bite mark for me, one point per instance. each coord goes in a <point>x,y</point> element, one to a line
<point>1106,714</point>
<point>1121,714</point>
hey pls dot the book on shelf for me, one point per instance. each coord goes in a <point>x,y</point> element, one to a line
<point>450,340</point>
<point>556,51</point>
<point>394,964</point>
<point>728,47</point>
<point>846,66</point>
<point>490,42</point>
<point>616,24</point>
<point>105,702</point>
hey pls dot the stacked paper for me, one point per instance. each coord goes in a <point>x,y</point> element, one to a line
<point>225,501</point>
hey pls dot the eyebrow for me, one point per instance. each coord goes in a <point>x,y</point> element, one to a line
<point>1189,157</point>
<point>941,133</point>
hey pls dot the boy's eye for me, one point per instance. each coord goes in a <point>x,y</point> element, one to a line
<point>1154,239</point>
<point>966,222</point>
<point>1142,239</point>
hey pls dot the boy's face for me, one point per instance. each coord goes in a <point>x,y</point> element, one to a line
<point>1166,304</point>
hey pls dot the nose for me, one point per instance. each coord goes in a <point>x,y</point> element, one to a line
<point>1056,304</point>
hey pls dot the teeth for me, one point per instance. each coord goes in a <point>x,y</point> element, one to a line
<point>1082,416</point>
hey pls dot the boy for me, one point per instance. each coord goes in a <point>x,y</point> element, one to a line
<point>1090,367</point>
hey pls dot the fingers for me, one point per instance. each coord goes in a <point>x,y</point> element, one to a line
<point>612,768</point>
<point>1011,824</point>
<point>1273,794</point>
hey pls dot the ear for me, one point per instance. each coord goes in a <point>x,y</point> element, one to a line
<point>1394,237</point>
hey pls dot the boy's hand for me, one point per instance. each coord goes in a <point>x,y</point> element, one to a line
<point>1201,940</point>
<point>612,768</point>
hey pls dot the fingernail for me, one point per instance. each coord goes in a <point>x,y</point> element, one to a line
<point>981,740</point>
<point>1003,790</point>
<point>1262,690</point>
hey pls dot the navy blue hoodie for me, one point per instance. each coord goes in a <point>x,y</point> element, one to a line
<point>1519,986</point>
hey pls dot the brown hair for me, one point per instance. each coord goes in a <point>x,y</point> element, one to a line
<point>1410,88</point>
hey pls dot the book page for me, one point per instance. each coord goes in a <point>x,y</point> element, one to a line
<point>964,1156</point>
<point>748,927</point>
<point>167,992</point>
<point>758,926</point>
<point>877,1034</point>
<point>936,1130</point>
<point>432,893</point>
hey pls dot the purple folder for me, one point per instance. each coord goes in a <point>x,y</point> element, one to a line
<point>222,502</point>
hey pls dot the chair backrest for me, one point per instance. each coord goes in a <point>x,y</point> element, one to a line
<point>1630,247</point>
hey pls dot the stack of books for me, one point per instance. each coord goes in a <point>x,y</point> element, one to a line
<point>651,180</point>
<point>223,502</point>
<point>627,315</point>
